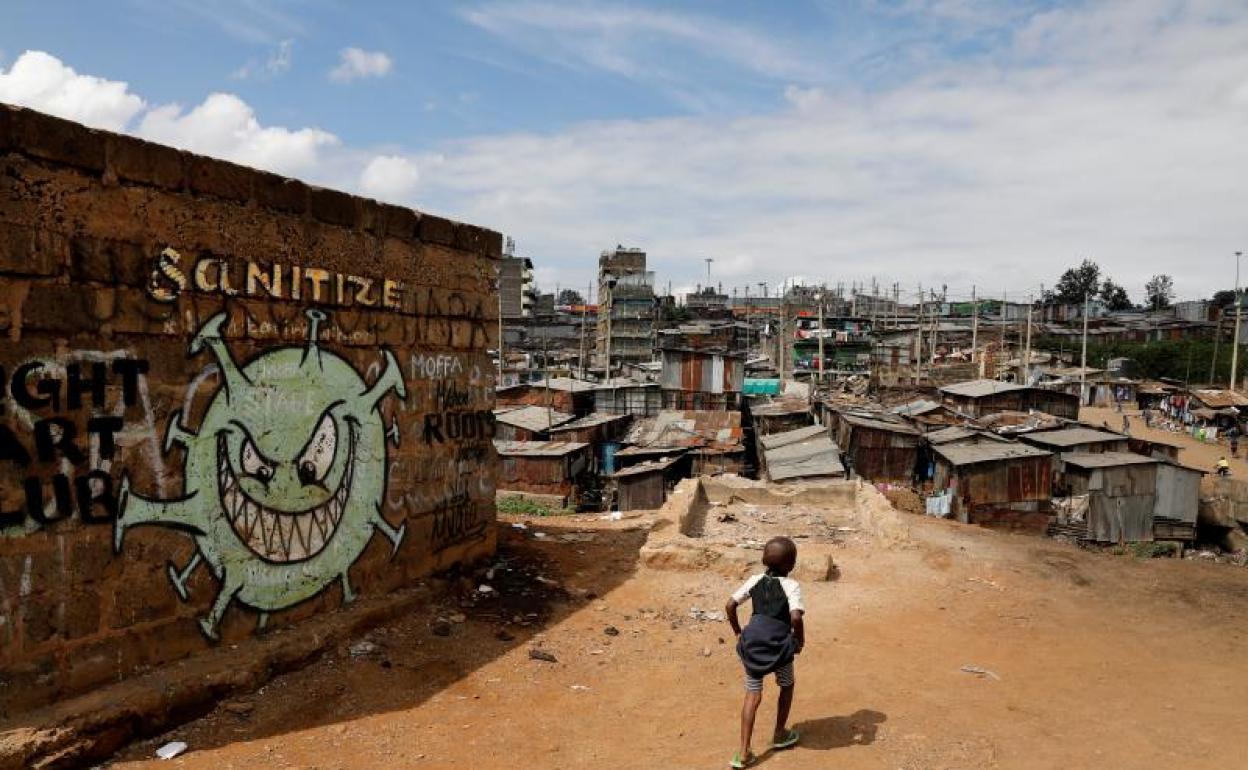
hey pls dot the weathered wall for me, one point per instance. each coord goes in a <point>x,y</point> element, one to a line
<point>226,399</point>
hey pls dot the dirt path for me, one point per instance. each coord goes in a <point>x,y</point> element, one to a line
<point>1097,661</point>
<point>1194,453</point>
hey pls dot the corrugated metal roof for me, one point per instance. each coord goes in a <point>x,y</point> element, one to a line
<point>980,388</point>
<point>534,418</point>
<point>623,382</point>
<point>1073,437</point>
<point>650,466</point>
<point>791,436</point>
<point>693,429</point>
<point>880,424</point>
<point>814,456</point>
<point>958,433</point>
<point>916,408</point>
<point>1105,459</point>
<point>537,448</point>
<point>779,406</point>
<point>969,454</point>
<point>589,421</point>
<point>1220,399</point>
<point>566,384</point>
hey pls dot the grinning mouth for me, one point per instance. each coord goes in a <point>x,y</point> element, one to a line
<point>280,536</point>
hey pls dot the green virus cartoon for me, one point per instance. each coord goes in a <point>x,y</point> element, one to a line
<point>284,479</point>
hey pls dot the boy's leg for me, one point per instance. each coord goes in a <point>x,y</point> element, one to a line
<point>784,678</point>
<point>753,697</point>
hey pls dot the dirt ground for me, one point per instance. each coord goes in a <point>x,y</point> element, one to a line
<point>1193,453</point>
<point>1095,661</point>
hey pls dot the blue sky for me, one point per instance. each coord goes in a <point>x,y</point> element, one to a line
<point>948,142</point>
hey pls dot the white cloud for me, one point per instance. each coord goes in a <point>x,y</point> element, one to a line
<point>356,63</point>
<point>41,81</point>
<point>1113,130</point>
<point>278,63</point>
<point>389,178</point>
<point>225,126</point>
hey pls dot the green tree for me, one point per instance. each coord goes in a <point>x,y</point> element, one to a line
<point>1158,292</point>
<point>570,297</point>
<point>1114,296</point>
<point>1223,298</point>
<point>1077,283</point>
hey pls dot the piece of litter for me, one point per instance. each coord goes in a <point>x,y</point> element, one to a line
<point>171,749</point>
<point>520,526</point>
<point>579,688</point>
<point>616,516</point>
<point>969,669</point>
<point>542,655</point>
<point>362,649</point>
<point>484,589</point>
<point>539,534</point>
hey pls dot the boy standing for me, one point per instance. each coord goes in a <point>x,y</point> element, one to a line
<point>767,645</point>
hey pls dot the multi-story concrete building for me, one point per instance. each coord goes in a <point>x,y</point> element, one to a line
<point>625,307</point>
<point>516,291</point>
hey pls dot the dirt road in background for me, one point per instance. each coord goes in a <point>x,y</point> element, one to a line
<point>1096,662</point>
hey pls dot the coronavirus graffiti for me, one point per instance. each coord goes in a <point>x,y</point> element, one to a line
<point>285,475</point>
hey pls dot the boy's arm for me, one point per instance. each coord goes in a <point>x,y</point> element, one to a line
<point>799,628</point>
<point>730,610</point>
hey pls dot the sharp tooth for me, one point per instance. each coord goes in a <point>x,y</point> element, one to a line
<point>319,518</point>
<point>303,524</point>
<point>250,517</point>
<point>267,527</point>
<point>287,524</point>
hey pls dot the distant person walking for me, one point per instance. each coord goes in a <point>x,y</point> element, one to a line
<point>1223,466</point>
<point>1126,424</point>
<point>774,635</point>
<point>1235,444</point>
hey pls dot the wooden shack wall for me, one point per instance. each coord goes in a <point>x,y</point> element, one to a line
<point>642,491</point>
<point>882,455</point>
<point>1178,493</point>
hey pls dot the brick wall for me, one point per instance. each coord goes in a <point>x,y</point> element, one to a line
<point>227,400</point>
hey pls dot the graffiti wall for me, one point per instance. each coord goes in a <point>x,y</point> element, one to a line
<point>227,401</point>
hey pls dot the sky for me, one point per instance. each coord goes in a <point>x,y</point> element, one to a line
<point>943,143</point>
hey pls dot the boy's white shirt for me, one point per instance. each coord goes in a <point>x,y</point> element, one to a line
<point>792,591</point>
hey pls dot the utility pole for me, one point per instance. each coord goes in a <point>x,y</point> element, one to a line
<point>1003,325</point>
<point>1083,356</point>
<point>783,346</point>
<point>708,261</point>
<point>500,329</point>
<point>589,292</point>
<point>918,340</point>
<point>821,291</point>
<point>935,325</point>
<point>974,325</point>
<point>1239,313</point>
<point>1027,344</point>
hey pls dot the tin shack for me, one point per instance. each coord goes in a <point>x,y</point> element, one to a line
<point>994,481</point>
<point>879,450</point>
<point>548,468</point>
<point>805,454</point>
<point>643,487</point>
<point>527,423</point>
<point>701,379</point>
<point>981,397</point>
<point>1121,489</point>
<point>575,397</point>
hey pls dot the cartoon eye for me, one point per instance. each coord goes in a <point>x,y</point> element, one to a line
<point>253,464</point>
<point>318,455</point>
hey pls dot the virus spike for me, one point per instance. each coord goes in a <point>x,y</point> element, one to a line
<point>135,510</point>
<point>175,432</point>
<point>393,534</point>
<point>210,336</point>
<point>390,379</point>
<point>313,351</point>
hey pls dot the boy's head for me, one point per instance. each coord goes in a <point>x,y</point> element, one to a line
<point>779,555</point>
